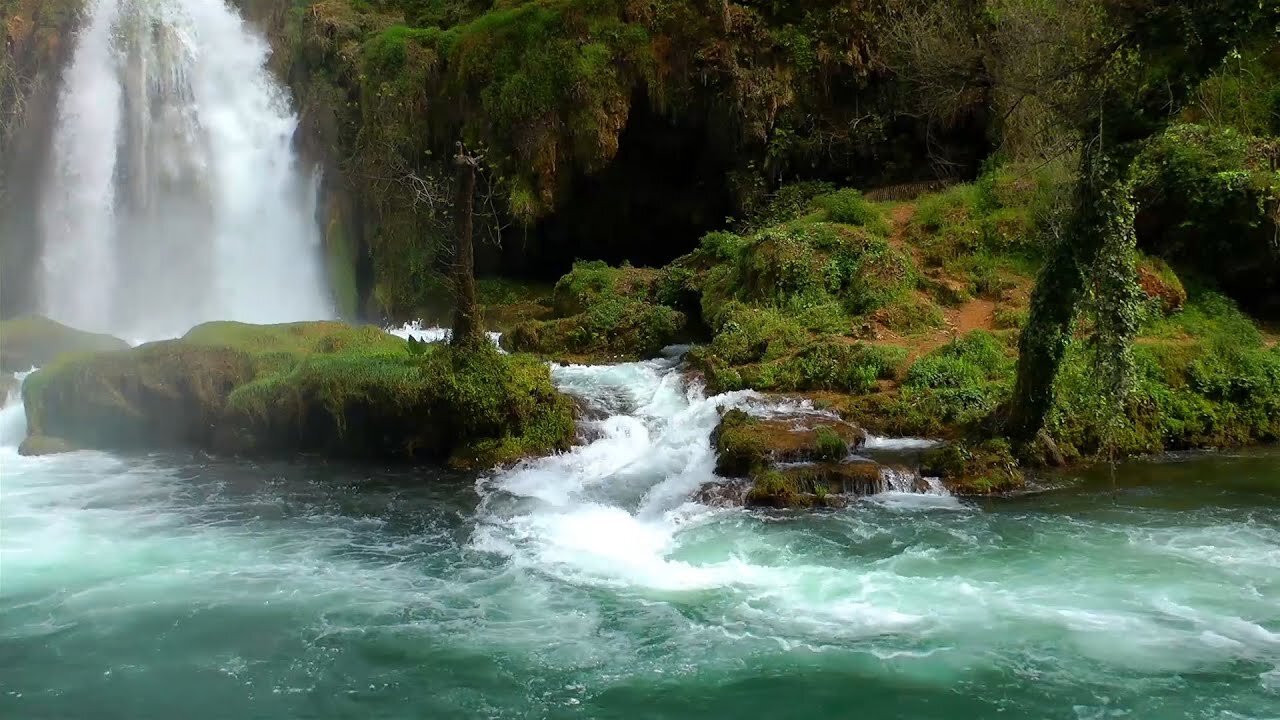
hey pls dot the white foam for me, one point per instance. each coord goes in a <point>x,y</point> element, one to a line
<point>877,442</point>
<point>416,330</point>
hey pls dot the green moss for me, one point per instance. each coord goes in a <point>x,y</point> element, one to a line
<point>602,313</point>
<point>1204,378</point>
<point>747,446</point>
<point>1206,198</point>
<point>326,388</point>
<point>911,316</point>
<point>773,489</point>
<point>35,341</point>
<point>340,261</point>
<point>611,329</point>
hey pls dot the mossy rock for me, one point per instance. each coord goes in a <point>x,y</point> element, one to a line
<point>600,314</point>
<point>324,388</point>
<point>162,394</point>
<point>746,445</point>
<point>836,478</point>
<point>35,341</point>
<point>610,330</point>
<point>41,445</point>
<point>591,282</point>
<point>987,468</point>
<point>813,485</point>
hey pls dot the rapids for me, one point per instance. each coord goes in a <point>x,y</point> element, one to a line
<point>589,585</point>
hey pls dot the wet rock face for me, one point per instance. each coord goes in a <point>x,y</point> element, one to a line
<point>727,494</point>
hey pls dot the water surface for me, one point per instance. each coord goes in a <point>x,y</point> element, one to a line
<point>586,586</point>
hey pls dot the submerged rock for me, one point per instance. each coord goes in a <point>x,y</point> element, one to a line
<point>321,387</point>
<point>35,341</point>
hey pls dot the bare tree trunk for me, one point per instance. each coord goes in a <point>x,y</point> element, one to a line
<point>466,315</point>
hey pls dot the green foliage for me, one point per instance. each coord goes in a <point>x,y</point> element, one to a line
<point>787,203</point>
<point>1243,93</point>
<point>602,313</point>
<point>819,365</point>
<point>1208,200</point>
<point>911,316</point>
<point>975,469</point>
<point>964,380</point>
<point>1204,378</point>
<point>831,447</point>
<point>772,489</point>
<point>850,208</point>
<point>1209,316</point>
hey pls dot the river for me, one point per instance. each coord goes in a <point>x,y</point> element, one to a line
<point>588,586</point>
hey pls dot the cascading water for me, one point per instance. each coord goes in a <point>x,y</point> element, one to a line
<point>174,195</point>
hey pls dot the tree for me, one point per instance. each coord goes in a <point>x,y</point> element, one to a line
<point>1137,67</point>
<point>1105,75</point>
<point>467,328</point>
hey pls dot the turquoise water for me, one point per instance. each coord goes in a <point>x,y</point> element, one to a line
<point>586,586</point>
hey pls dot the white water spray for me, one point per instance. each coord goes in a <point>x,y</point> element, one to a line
<point>174,195</point>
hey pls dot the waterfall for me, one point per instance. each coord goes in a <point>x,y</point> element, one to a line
<point>174,195</point>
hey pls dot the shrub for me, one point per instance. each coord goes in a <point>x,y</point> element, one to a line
<point>965,379</point>
<point>831,447</point>
<point>849,207</point>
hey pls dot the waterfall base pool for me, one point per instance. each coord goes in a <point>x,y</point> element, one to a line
<point>587,586</point>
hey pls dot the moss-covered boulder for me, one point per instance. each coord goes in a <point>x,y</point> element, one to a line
<point>826,484</point>
<point>986,468</point>
<point>602,313</point>
<point>793,461</point>
<point>325,388</point>
<point>745,444</point>
<point>35,341</point>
